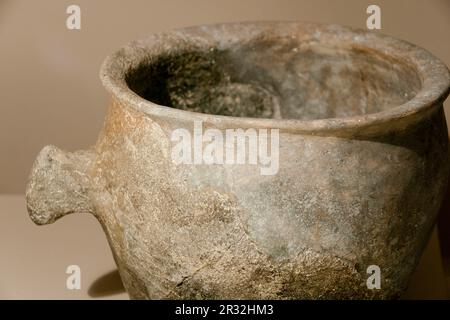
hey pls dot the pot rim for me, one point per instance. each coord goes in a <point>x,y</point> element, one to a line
<point>433,74</point>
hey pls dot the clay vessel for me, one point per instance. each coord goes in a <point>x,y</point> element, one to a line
<point>363,163</point>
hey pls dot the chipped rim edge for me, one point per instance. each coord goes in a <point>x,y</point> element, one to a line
<point>434,76</point>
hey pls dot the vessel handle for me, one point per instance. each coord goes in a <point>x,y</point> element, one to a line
<point>59,184</point>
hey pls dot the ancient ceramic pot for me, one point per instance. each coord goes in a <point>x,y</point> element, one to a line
<point>363,163</point>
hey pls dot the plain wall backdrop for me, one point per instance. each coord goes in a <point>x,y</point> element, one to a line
<point>50,92</point>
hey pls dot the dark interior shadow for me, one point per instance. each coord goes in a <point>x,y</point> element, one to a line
<point>107,285</point>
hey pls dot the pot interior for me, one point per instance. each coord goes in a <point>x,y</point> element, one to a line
<point>280,78</point>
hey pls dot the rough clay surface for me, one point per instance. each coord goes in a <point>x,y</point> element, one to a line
<point>341,201</point>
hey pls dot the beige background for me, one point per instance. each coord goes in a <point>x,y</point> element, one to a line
<point>50,92</point>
